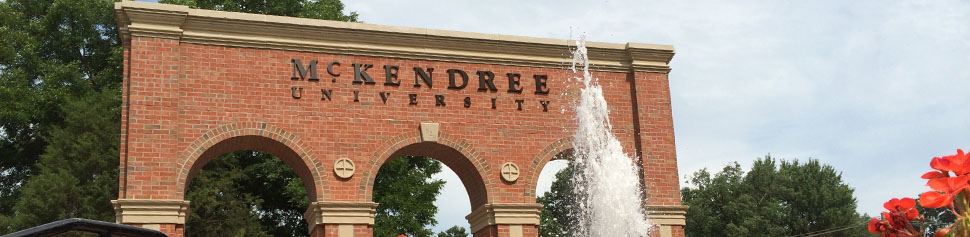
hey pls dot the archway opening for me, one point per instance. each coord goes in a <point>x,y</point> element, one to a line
<point>554,190</point>
<point>424,169</point>
<point>248,186</point>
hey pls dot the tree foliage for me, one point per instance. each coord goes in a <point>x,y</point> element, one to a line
<point>772,199</point>
<point>557,205</point>
<point>60,89</point>
<point>60,75</point>
<point>316,9</point>
<point>246,193</point>
<point>78,172</point>
<point>454,231</point>
<point>405,193</point>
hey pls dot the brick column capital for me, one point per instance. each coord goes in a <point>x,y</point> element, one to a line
<point>150,211</point>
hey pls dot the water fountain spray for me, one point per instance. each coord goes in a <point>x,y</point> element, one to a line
<point>607,184</point>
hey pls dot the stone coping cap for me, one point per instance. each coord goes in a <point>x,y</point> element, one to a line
<point>148,19</point>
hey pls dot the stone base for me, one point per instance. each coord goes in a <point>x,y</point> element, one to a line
<point>343,214</point>
<point>513,214</point>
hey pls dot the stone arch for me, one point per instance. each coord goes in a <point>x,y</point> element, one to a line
<point>457,154</point>
<point>559,149</point>
<point>262,137</point>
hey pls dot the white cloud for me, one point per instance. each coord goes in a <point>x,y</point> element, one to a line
<point>873,88</point>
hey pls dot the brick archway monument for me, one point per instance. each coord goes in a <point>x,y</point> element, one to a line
<point>336,100</point>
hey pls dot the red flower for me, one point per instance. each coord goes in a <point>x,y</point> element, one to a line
<point>949,187</point>
<point>959,164</point>
<point>896,203</point>
<point>940,180</point>
<point>904,206</point>
<point>876,227</point>
<point>896,221</point>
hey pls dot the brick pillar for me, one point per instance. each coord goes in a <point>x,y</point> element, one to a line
<point>167,216</point>
<point>340,219</point>
<point>509,219</point>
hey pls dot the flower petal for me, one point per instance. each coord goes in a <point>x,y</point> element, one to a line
<point>907,203</point>
<point>873,228</point>
<point>932,199</point>
<point>956,184</point>
<point>939,184</point>
<point>934,175</point>
<point>891,204</point>
<point>940,164</point>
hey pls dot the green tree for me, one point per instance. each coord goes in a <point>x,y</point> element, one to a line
<point>60,71</point>
<point>772,199</point>
<point>53,52</point>
<point>246,193</point>
<point>454,231</point>
<point>557,204</point>
<point>78,172</point>
<point>60,77</point>
<point>405,194</point>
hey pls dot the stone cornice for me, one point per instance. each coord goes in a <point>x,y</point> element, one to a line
<point>208,27</point>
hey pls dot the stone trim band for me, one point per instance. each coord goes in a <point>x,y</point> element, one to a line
<point>667,215</point>
<point>198,26</point>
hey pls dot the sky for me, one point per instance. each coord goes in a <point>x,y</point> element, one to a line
<point>873,88</point>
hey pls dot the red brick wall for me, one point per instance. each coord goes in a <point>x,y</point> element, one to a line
<point>186,103</point>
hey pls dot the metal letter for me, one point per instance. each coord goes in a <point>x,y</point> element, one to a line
<point>360,71</point>
<point>451,79</point>
<point>391,77</point>
<point>426,77</point>
<point>439,100</point>
<point>384,96</point>
<point>545,105</point>
<point>520,103</point>
<point>514,82</point>
<point>468,102</point>
<point>493,102</point>
<point>327,94</point>
<point>356,99</point>
<point>413,99</point>
<point>486,78</point>
<point>541,88</point>
<point>294,90</point>
<point>299,72</point>
<point>330,68</point>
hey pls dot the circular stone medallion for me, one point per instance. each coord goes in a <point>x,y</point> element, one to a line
<point>510,172</point>
<point>344,168</point>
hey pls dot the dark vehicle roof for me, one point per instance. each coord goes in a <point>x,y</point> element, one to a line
<point>84,225</point>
